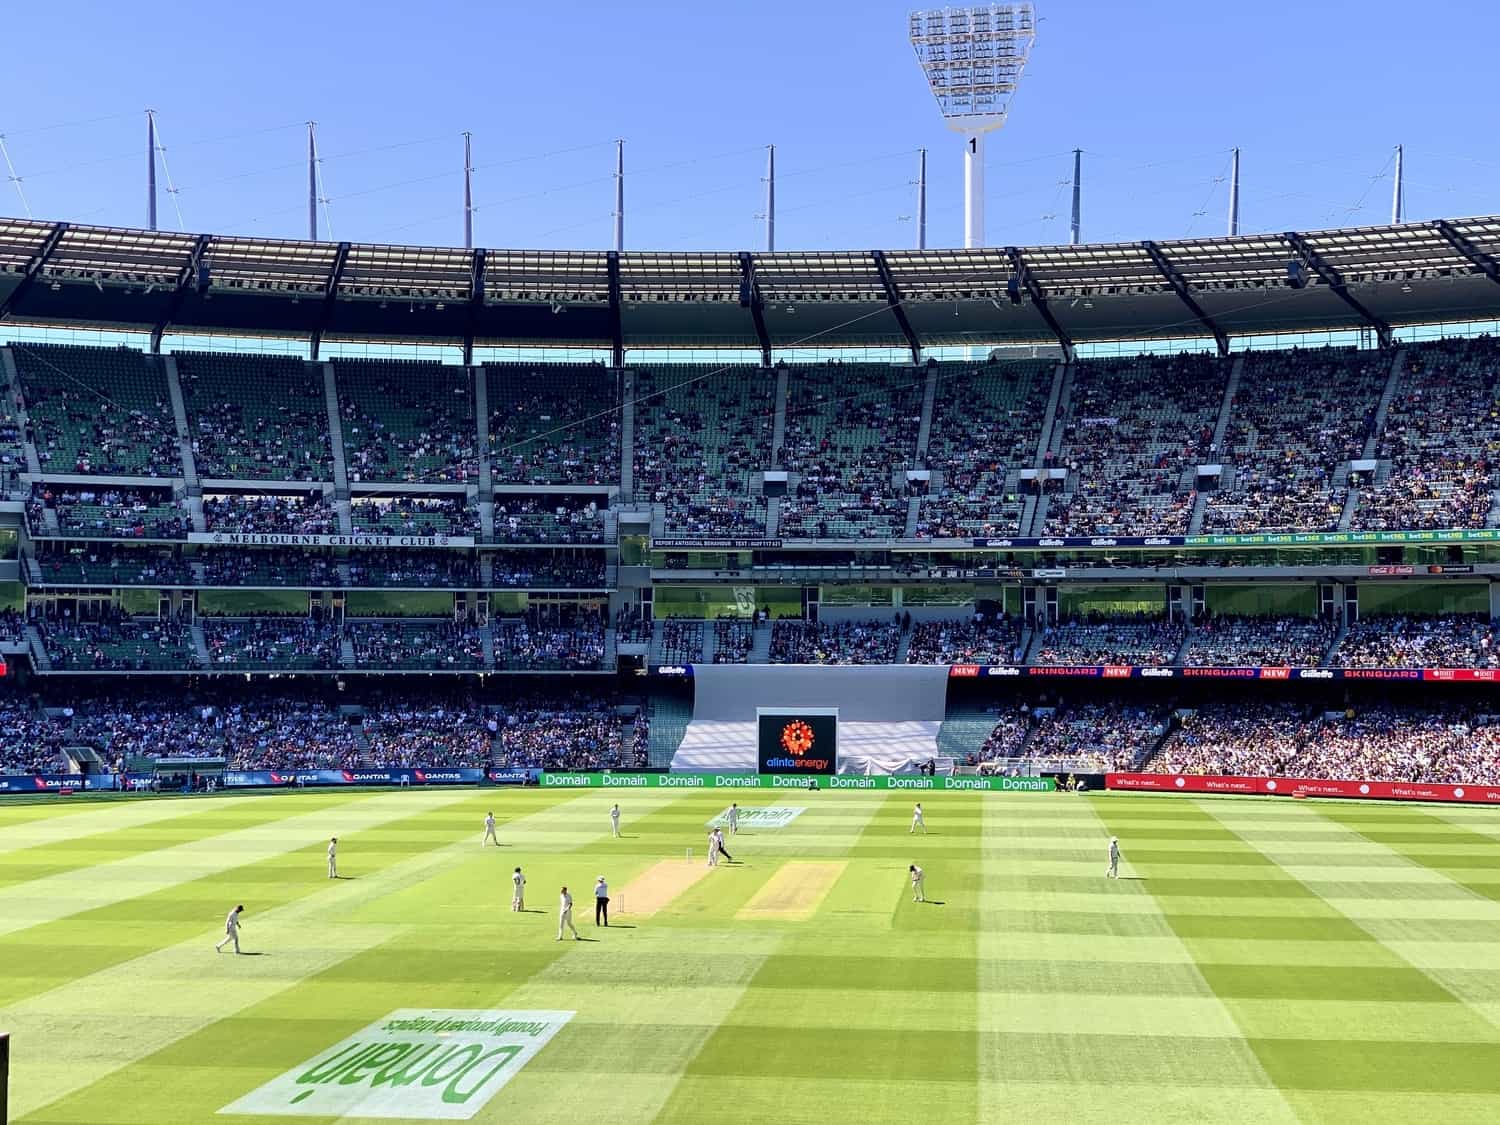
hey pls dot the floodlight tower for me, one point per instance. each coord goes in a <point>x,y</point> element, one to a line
<point>973,58</point>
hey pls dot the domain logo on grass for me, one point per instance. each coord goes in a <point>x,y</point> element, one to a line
<point>424,1063</point>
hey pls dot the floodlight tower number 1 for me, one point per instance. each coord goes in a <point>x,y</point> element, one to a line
<point>973,59</point>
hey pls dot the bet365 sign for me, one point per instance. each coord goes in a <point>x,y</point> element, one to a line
<point>425,1063</point>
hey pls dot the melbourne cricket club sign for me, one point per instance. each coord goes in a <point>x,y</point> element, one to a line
<point>432,1063</point>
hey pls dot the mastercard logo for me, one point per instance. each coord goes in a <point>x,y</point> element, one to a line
<point>796,738</point>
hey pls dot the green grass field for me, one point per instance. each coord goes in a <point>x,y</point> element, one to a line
<point>1259,962</point>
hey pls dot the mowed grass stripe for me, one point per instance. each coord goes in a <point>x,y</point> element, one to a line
<point>45,900</point>
<point>44,956</point>
<point>35,825</point>
<point>1309,1065</point>
<point>1117,1018</point>
<point>211,817</point>
<point>777,1034</point>
<point>194,1016</point>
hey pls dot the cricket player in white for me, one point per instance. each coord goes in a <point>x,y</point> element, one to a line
<point>614,819</point>
<point>333,857</point>
<point>231,930</point>
<point>1114,858</point>
<point>489,830</point>
<point>734,819</point>
<point>565,915</point>
<point>713,850</point>
<point>518,896</point>
<point>917,821</point>
<point>918,894</point>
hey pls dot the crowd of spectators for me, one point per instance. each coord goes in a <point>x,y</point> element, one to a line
<point>103,411</point>
<point>292,642</point>
<point>1135,639</point>
<point>1297,416</point>
<point>983,639</point>
<point>1452,744</point>
<point>406,421</point>
<point>269,566</point>
<point>114,641</point>
<point>105,564</point>
<point>734,637</point>
<point>285,734</point>
<point>248,512</point>
<point>1107,737</point>
<point>1226,640</point>
<point>701,437</point>
<point>632,626</point>
<point>538,569</point>
<point>1442,436</point>
<point>107,513</point>
<point>1462,640</point>
<point>843,642</point>
<point>573,732</point>
<point>1005,739</point>
<point>851,432</point>
<point>414,515</point>
<point>255,417</point>
<point>427,645</point>
<point>986,422</point>
<point>411,733</point>
<point>548,519</point>
<point>568,639</point>
<point>1132,431</point>
<point>558,424</point>
<point>12,626</point>
<point>681,641</point>
<point>413,568</point>
<point>31,741</point>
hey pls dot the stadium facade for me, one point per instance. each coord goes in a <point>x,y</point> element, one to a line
<point>1212,510</point>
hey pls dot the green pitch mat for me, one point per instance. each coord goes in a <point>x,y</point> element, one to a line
<point>1256,962</point>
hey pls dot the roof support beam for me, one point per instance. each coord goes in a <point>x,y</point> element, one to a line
<point>616,313</point>
<point>33,270</point>
<point>1180,287</point>
<point>330,295</point>
<point>187,278</point>
<point>1486,264</point>
<point>476,303</point>
<point>1335,282</point>
<point>750,298</point>
<point>1025,281</point>
<point>898,307</point>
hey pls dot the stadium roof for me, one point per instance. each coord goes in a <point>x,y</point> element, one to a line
<point>1371,278</point>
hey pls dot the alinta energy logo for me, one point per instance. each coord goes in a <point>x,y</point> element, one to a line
<point>797,738</point>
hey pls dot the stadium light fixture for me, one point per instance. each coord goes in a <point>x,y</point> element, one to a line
<point>973,59</point>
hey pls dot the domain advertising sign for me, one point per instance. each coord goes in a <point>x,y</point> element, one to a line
<point>433,1063</point>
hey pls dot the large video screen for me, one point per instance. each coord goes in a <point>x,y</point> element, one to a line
<point>798,740</point>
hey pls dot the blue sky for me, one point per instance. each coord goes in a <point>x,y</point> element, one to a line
<point>1156,92</point>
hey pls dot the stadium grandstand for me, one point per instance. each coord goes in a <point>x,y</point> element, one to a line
<point>1086,483</point>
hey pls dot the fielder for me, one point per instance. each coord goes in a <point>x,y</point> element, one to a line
<point>734,819</point>
<point>489,831</point>
<point>565,915</point>
<point>917,821</point>
<point>231,930</point>
<point>1114,858</point>
<point>713,850</point>
<point>333,857</point>
<point>918,893</point>
<point>518,896</point>
<point>614,819</point>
